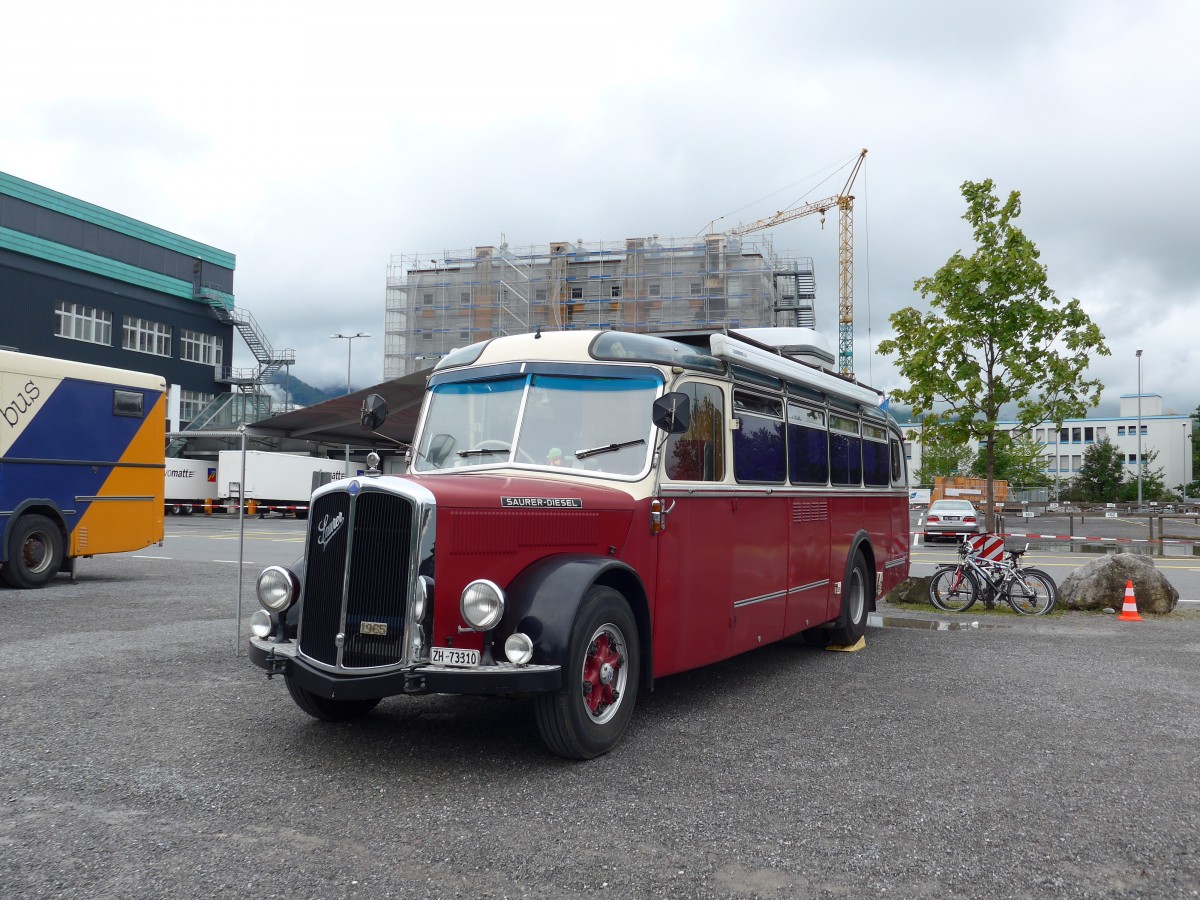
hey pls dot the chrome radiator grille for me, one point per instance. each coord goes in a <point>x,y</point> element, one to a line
<point>357,579</point>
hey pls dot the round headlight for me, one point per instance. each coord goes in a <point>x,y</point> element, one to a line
<point>518,648</point>
<point>260,623</point>
<point>277,588</point>
<point>420,600</point>
<point>482,605</point>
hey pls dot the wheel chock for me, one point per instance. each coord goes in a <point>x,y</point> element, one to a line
<point>860,644</point>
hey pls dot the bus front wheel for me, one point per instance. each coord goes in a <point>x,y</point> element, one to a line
<point>35,552</point>
<point>602,671</point>
<point>329,710</point>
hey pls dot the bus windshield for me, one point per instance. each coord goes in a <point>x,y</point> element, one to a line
<point>594,424</point>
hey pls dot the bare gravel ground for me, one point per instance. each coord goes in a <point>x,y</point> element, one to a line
<point>139,757</point>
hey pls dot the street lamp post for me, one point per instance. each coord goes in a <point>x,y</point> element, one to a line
<point>349,339</point>
<point>1187,458</point>
<point>1139,428</point>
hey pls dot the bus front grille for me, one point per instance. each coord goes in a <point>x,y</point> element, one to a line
<point>357,579</point>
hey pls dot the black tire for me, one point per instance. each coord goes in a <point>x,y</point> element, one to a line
<point>35,552</point>
<point>1051,582</point>
<point>329,710</point>
<point>953,589</point>
<point>856,601</point>
<point>1031,594</point>
<point>601,677</point>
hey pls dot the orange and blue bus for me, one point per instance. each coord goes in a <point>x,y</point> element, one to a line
<point>81,464</point>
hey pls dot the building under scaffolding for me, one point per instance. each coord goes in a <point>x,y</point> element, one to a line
<point>439,301</point>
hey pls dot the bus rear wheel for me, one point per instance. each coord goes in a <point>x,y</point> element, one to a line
<point>601,675</point>
<point>852,621</point>
<point>35,552</point>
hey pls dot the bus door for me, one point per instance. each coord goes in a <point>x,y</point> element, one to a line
<point>694,551</point>
<point>809,579</point>
<point>760,522</point>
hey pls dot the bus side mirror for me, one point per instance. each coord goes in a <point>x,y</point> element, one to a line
<point>672,413</point>
<point>374,412</point>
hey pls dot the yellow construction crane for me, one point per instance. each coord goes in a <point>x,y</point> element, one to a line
<point>845,206</point>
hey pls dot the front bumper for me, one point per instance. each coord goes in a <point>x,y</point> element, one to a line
<point>500,678</point>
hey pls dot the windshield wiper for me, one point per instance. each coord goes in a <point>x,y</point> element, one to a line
<point>607,448</point>
<point>483,451</point>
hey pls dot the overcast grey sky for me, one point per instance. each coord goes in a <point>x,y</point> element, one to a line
<point>315,140</point>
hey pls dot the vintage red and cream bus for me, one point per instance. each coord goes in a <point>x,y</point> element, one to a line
<point>587,512</point>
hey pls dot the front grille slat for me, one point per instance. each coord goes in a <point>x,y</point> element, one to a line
<point>377,531</point>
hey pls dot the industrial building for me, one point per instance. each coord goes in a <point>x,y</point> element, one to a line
<point>81,282</point>
<point>439,301</point>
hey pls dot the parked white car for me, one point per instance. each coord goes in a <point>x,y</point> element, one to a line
<point>951,519</point>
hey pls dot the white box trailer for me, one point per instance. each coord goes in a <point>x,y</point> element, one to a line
<point>275,482</point>
<point>191,486</point>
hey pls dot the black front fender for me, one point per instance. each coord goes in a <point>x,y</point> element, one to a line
<point>543,600</point>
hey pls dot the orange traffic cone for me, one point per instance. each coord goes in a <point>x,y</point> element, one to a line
<point>1129,611</point>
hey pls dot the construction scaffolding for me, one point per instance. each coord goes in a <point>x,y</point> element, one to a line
<point>437,302</point>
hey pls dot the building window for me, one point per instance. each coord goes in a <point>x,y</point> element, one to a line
<point>198,347</point>
<point>655,289</point>
<point>1144,427</point>
<point>1120,431</point>
<point>1076,435</point>
<point>696,288</point>
<point>464,334</point>
<point>576,293</point>
<point>1076,462</point>
<point>144,336</point>
<point>192,403</point>
<point>614,290</point>
<point>464,298</point>
<point>1133,459</point>
<point>1089,435</point>
<point>83,323</point>
<point>539,296</point>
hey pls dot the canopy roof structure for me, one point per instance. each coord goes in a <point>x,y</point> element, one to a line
<point>336,421</point>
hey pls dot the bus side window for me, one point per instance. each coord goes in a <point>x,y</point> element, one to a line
<point>758,442</point>
<point>845,451</point>
<point>128,403</point>
<point>897,460</point>
<point>808,446</point>
<point>875,455</point>
<point>699,453</point>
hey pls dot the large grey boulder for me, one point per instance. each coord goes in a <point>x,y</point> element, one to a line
<point>911,590</point>
<point>1101,584</point>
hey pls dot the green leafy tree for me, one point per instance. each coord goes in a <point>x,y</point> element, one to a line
<point>942,458</point>
<point>1153,487</point>
<point>996,335</point>
<point>1018,459</point>
<point>1101,474</point>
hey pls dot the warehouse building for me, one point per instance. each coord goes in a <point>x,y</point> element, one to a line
<point>83,283</point>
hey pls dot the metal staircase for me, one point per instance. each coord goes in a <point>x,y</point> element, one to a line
<point>249,403</point>
<point>269,360</point>
<point>796,292</point>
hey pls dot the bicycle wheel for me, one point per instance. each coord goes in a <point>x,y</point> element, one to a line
<point>1049,581</point>
<point>1030,593</point>
<point>953,589</point>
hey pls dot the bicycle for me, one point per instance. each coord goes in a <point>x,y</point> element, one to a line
<point>1028,591</point>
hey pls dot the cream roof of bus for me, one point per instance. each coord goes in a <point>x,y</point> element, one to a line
<point>567,346</point>
<point>48,367</point>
